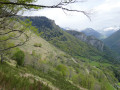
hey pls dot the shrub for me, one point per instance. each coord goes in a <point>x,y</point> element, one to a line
<point>19,57</point>
<point>63,69</point>
<point>38,45</point>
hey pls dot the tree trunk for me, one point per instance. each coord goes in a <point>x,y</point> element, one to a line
<point>1,58</point>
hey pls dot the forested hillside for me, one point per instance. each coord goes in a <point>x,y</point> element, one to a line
<point>113,41</point>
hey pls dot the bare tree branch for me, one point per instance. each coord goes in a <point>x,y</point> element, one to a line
<point>54,6</point>
<point>5,11</point>
<point>20,44</point>
<point>10,29</point>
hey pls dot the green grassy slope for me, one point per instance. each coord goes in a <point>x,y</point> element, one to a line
<point>48,71</point>
<point>19,78</point>
<point>48,67</point>
<point>40,68</point>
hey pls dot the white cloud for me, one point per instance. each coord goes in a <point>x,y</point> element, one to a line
<point>108,5</point>
<point>106,14</point>
<point>111,28</point>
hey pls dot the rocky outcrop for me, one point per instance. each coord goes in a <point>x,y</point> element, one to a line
<point>88,39</point>
<point>95,42</point>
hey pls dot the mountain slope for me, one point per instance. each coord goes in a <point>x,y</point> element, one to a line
<point>88,39</point>
<point>68,43</point>
<point>62,39</point>
<point>46,63</point>
<point>113,41</point>
<point>41,64</point>
<point>56,69</point>
<point>92,32</point>
<point>82,76</point>
<point>86,73</point>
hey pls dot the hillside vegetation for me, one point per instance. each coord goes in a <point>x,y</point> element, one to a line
<point>63,63</point>
<point>68,43</point>
<point>60,63</point>
<point>60,71</point>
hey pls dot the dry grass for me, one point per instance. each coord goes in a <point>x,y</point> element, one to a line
<point>46,51</point>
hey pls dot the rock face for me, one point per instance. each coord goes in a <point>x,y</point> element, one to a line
<point>88,39</point>
<point>95,42</point>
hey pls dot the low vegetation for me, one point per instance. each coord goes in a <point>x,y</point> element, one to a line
<point>14,78</point>
<point>38,45</point>
<point>19,57</point>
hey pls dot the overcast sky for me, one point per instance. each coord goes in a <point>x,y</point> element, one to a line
<point>103,13</point>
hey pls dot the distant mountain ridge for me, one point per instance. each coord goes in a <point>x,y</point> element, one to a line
<point>92,32</point>
<point>108,33</point>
